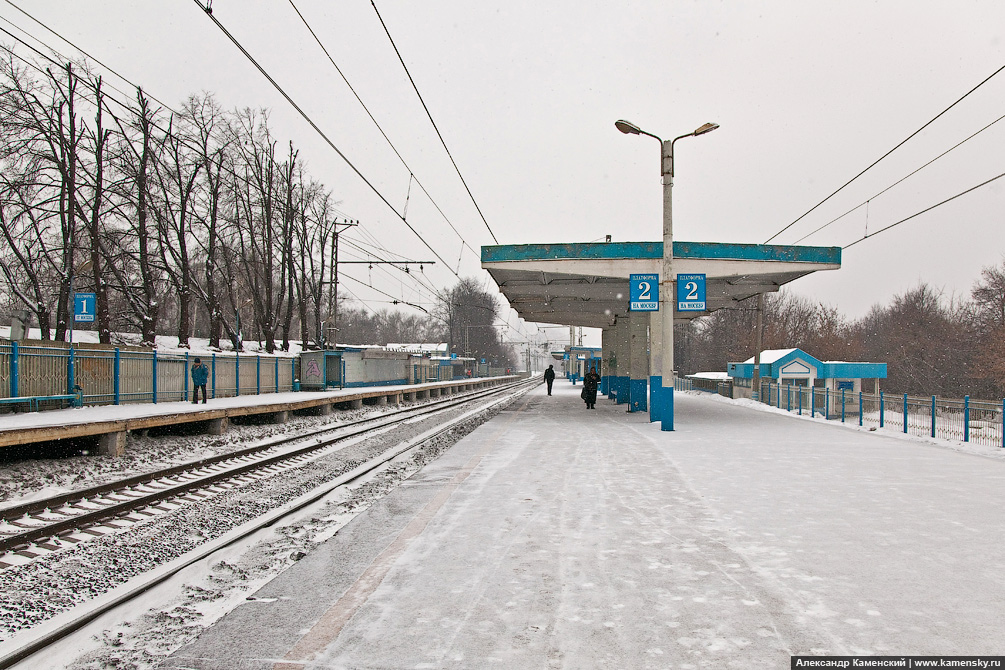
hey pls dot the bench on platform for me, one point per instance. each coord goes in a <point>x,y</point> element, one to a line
<point>33,400</point>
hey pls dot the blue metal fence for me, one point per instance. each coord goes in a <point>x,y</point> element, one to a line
<point>965,420</point>
<point>114,376</point>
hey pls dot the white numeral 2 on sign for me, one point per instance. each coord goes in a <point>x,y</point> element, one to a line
<point>646,293</point>
<point>692,290</point>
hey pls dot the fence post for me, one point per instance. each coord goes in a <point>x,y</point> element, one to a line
<point>154,384</point>
<point>70,375</point>
<point>116,384</point>
<point>966,418</point>
<point>276,376</point>
<point>185,382</point>
<point>905,413</point>
<point>933,416</point>
<point>827,404</point>
<point>213,371</point>
<point>800,401</point>
<point>237,374</point>
<point>788,397</point>
<point>882,409</point>
<point>842,405</point>
<point>860,408</point>
<point>13,370</point>
<point>258,374</point>
<point>813,403</point>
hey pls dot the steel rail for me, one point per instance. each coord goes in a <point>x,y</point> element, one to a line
<point>31,644</point>
<point>22,540</point>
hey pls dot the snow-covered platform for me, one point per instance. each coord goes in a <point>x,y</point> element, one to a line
<point>111,422</point>
<point>553,536</point>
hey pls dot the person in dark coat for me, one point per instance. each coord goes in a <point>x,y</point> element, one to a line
<point>590,383</point>
<point>549,377</point>
<point>200,375</point>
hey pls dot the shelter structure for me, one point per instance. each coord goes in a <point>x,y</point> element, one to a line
<point>588,285</point>
<point>798,368</point>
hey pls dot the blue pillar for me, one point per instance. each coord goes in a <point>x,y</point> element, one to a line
<point>70,373</point>
<point>153,385</point>
<point>655,407</point>
<point>237,374</point>
<point>638,362</point>
<point>116,377</point>
<point>213,371</point>
<point>277,374</point>
<point>933,416</point>
<point>14,370</point>
<point>185,378</point>
<point>666,410</point>
<point>966,418</point>
<point>905,413</point>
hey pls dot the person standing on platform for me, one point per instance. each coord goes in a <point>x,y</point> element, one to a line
<point>200,375</point>
<point>590,383</point>
<point>549,377</point>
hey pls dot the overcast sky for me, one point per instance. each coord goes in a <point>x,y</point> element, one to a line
<point>525,94</point>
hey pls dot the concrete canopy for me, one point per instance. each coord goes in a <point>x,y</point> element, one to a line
<point>587,284</point>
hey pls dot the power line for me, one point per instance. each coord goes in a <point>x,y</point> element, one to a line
<point>868,200</point>
<point>442,141</point>
<point>927,209</point>
<point>464,243</point>
<point>317,129</point>
<point>887,153</point>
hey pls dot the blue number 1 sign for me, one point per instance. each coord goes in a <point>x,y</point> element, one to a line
<point>644,293</point>
<point>691,293</point>
<point>83,307</point>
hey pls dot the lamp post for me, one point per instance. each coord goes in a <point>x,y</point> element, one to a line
<point>664,398</point>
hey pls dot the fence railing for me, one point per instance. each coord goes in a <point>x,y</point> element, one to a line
<point>966,420</point>
<point>113,376</point>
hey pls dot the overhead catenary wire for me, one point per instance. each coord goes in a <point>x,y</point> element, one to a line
<point>318,130</point>
<point>902,179</point>
<point>430,115</point>
<point>927,209</point>
<point>420,281</point>
<point>900,144</point>
<point>464,243</point>
<point>423,284</point>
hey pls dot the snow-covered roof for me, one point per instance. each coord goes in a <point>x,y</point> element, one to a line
<point>771,355</point>
<point>710,375</point>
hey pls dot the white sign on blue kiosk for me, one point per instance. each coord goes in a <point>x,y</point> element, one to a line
<point>644,293</point>
<point>691,293</point>
<point>84,307</point>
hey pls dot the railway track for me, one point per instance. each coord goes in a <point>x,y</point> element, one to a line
<point>201,484</point>
<point>46,525</point>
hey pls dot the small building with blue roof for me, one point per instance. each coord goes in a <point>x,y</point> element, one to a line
<point>795,367</point>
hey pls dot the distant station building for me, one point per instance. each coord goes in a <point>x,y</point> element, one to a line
<point>579,360</point>
<point>795,367</point>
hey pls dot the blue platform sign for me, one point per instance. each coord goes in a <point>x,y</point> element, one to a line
<point>644,293</point>
<point>691,293</point>
<point>84,307</point>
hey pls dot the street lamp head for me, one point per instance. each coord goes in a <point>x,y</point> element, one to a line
<point>627,127</point>
<point>706,128</point>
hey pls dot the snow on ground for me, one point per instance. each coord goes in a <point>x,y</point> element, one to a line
<point>585,538</point>
<point>962,447</point>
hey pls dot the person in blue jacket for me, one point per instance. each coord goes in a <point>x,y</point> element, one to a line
<point>200,375</point>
